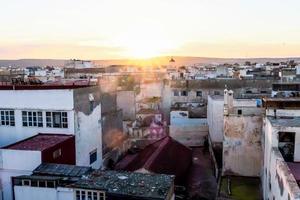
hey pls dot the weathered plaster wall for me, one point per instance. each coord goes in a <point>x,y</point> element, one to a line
<point>242,150</point>
<point>88,125</point>
<point>281,182</point>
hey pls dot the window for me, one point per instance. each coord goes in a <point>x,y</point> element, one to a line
<point>89,195</point>
<point>57,119</point>
<point>50,184</point>
<point>248,92</point>
<point>7,117</point>
<point>56,153</point>
<point>42,183</point>
<point>199,93</point>
<point>286,145</point>
<point>176,93</point>
<point>239,112</point>
<point>93,156</point>
<point>216,92</point>
<point>26,182</point>
<point>184,93</point>
<point>32,118</point>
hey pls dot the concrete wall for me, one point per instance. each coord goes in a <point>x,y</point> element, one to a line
<point>242,150</point>
<point>215,118</point>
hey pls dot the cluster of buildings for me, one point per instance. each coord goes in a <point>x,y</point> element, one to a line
<point>165,132</point>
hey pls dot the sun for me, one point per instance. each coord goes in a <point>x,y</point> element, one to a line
<point>145,42</point>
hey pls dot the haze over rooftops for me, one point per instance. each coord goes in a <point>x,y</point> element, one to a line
<point>39,142</point>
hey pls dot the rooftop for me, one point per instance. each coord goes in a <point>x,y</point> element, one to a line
<point>49,169</point>
<point>285,121</point>
<point>46,86</point>
<point>295,169</point>
<point>128,183</point>
<point>165,156</point>
<point>39,142</point>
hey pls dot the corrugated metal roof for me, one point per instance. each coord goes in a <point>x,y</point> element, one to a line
<point>50,169</point>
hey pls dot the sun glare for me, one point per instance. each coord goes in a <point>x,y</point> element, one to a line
<point>146,43</point>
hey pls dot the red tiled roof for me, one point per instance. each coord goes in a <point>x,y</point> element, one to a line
<point>46,86</point>
<point>165,156</point>
<point>39,142</point>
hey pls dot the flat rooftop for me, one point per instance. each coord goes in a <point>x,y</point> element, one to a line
<point>285,121</point>
<point>39,142</point>
<point>46,86</point>
<point>135,184</point>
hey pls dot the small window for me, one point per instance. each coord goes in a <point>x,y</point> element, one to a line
<point>57,119</point>
<point>216,92</point>
<point>34,183</point>
<point>56,153</point>
<point>199,94</point>
<point>7,118</point>
<point>263,92</point>
<point>176,93</point>
<point>50,184</point>
<point>239,111</point>
<point>93,156</point>
<point>184,93</point>
<point>42,184</point>
<point>26,182</point>
<point>32,119</point>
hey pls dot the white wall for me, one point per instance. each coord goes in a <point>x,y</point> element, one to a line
<point>16,163</point>
<point>88,137</point>
<point>215,119</point>
<point>35,193</point>
<point>35,100</point>
<point>12,134</point>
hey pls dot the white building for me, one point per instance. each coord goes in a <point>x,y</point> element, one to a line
<point>23,157</point>
<point>59,109</point>
<point>73,63</point>
<point>280,174</point>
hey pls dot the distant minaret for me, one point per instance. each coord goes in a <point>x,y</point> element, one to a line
<point>172,63</point>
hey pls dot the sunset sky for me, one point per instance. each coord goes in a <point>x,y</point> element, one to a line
<point>113,29</point>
